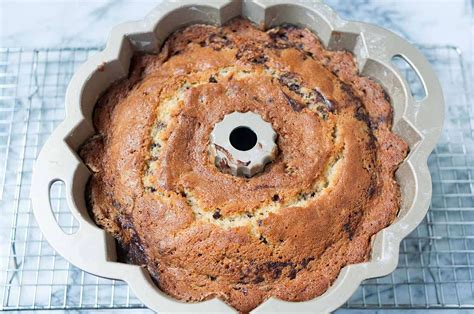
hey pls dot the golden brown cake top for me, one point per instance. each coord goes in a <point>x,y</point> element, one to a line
<point>285,232</point>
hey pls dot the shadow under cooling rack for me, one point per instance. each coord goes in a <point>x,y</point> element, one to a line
<point>436,263</point>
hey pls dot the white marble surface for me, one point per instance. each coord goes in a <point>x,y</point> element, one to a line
<point>73,23</point>
<point>87,23</point>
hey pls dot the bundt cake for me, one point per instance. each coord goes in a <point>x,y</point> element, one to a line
<point>285,232</point>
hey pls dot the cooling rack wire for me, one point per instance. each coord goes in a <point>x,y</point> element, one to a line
<point>436,262</point>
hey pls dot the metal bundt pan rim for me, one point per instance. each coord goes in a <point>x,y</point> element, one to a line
<point>418,122</point>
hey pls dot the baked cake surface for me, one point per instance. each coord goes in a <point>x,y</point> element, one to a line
<point>285,232</point>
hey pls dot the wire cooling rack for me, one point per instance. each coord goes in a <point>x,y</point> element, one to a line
<point>436,262</point>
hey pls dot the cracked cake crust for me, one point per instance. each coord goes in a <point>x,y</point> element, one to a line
<point>286,232</point>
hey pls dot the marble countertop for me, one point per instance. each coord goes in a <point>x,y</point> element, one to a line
<point>59,23</point>
<point>73,23</point>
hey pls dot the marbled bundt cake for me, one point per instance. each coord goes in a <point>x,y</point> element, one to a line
<point>285,232</point>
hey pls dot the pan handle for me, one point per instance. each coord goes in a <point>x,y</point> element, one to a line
<point>89,248</point>
<point>427,114</point>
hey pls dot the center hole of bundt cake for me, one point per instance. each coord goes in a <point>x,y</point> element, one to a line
<point>242,143</point>
<point>243,138</point>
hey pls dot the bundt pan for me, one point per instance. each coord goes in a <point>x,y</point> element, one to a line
<point>419,123</point>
